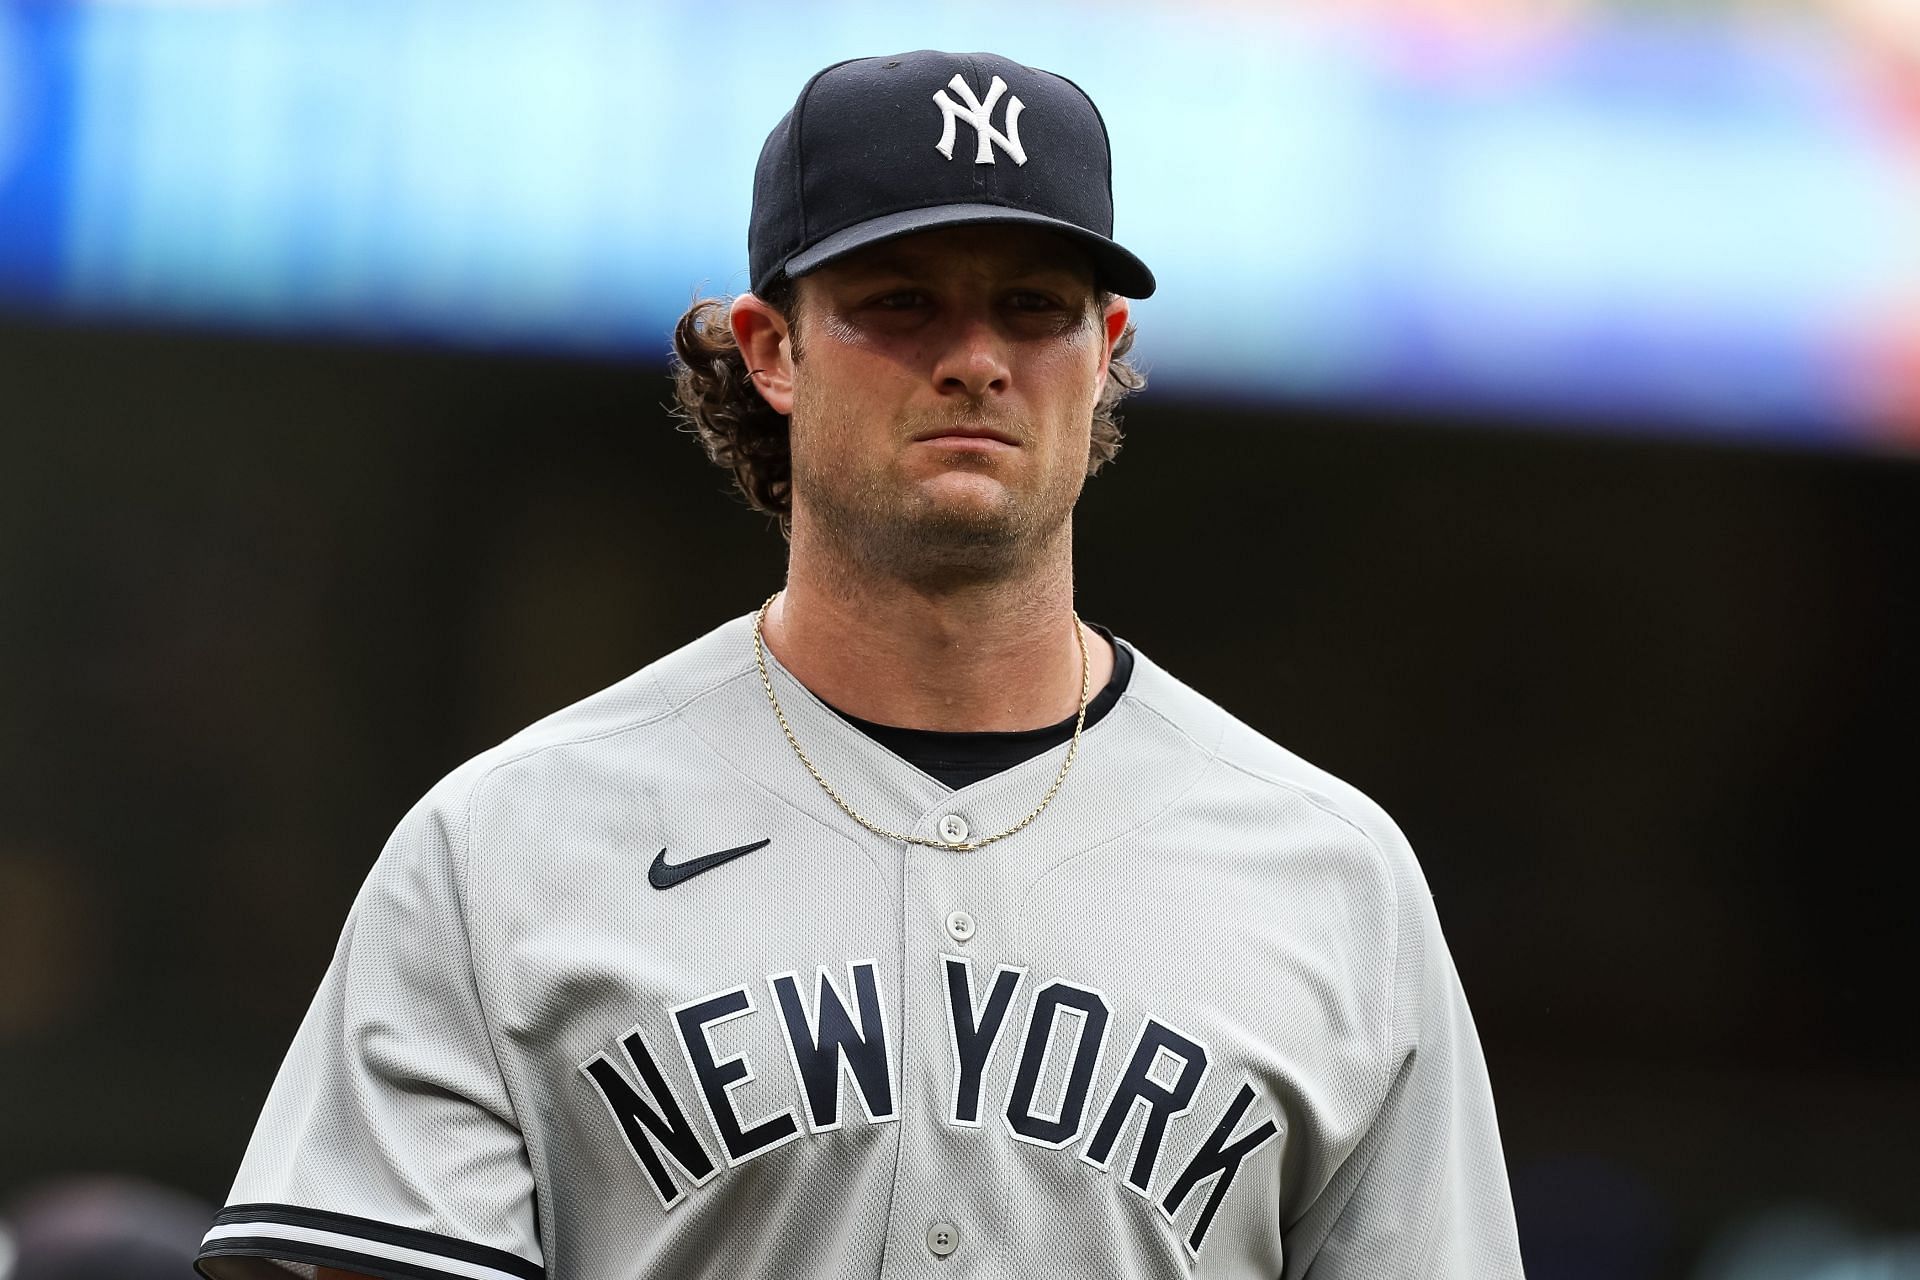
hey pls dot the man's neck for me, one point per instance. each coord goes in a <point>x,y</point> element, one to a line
<point>981,657</point>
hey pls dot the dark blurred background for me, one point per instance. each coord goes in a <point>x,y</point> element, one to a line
<point>1637,679</point>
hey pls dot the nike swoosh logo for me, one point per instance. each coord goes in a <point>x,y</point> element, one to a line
<point>664,875</point>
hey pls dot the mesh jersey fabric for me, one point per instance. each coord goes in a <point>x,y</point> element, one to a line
<point>1204,1023</point>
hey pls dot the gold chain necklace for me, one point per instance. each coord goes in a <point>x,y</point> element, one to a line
<point>1073,747</point>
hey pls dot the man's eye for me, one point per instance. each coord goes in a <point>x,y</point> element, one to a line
<point>904,300</point>
<point>1027,300</point>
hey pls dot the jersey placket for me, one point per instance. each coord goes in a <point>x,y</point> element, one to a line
<point>961,996</point>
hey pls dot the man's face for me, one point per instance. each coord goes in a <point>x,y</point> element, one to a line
<point>943,398</point>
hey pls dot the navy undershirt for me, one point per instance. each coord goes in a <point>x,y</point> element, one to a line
<point>962,759</point>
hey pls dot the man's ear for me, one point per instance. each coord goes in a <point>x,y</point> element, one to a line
<point>1114,319</point>
<point>765,341</point>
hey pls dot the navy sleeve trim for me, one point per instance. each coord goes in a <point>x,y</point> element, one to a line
<point>291,1233</point>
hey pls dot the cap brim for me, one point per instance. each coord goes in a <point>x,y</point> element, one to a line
<point>1115,268</point>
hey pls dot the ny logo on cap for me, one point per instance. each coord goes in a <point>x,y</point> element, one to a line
<point>980,115</point>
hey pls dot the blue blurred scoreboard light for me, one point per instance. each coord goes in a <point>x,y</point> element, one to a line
<point>1707,224</point>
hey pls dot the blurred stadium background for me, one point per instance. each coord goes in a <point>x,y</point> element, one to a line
<point>1534,438</point>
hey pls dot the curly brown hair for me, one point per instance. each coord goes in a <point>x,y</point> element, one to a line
<point>741,432</point>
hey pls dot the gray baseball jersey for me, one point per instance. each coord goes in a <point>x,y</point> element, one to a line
<point>628,996</point>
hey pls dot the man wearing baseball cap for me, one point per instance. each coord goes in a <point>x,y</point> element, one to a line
<point>906,924</point>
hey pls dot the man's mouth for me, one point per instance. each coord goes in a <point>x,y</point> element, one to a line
<point>967,432</point>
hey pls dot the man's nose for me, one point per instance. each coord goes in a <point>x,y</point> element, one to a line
<point>973,362</point>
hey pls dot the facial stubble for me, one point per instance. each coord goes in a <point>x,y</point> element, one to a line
<point>883,525</point>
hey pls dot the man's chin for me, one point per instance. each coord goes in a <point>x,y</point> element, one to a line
<point>965,499</point>
<point>956,542</point>
<point>953,528</point>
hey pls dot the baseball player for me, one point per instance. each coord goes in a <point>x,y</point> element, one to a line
<point>905,925</point>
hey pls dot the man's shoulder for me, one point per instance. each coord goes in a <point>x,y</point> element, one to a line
<point>664,687</point>
<point>609,730</point>
<point>1249,759</point>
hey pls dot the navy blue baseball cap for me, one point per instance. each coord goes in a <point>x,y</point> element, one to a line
<point>877,148</point>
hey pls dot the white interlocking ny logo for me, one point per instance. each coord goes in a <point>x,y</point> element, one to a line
<point>980,115</point>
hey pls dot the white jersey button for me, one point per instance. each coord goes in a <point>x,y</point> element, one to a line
<point>953,828</point>
<point>959,926</point>
<point>942,1239</point>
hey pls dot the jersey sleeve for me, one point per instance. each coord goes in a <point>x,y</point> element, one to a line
<point>389,1145</point>
<point>1424,1193</point>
